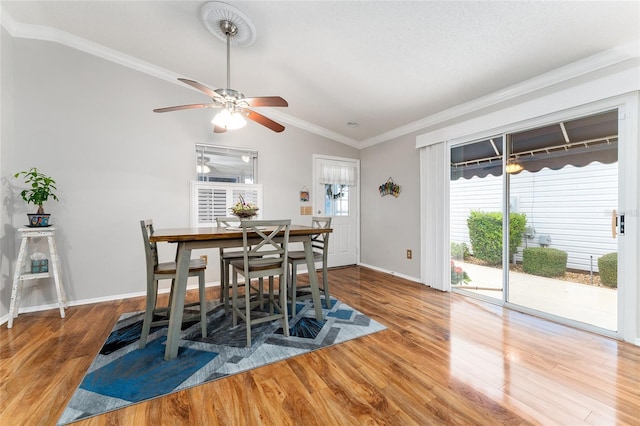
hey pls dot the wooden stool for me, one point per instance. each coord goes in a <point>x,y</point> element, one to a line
<point>20,276</point>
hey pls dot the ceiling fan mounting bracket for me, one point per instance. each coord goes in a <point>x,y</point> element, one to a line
<point>228,28</point>
<point>213,15</point>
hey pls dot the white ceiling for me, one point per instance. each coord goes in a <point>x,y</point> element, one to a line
<point>383,64</point>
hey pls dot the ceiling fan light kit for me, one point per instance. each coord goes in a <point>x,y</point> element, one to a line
<point>231,25</point>
<point>229,120</point>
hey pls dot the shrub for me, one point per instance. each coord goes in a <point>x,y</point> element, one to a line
<point>485,233</point>
<point>544,261</point>
<point>459,251</point>
<point>608,266</point>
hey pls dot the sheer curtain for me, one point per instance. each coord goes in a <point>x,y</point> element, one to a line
<point>434,206</point>
<point>337,174</point>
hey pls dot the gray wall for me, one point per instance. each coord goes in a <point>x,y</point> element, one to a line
<point>89,124</point>
<point>7,242</point>
<point>391,223</point>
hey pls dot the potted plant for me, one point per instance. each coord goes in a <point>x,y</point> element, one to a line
<point>244,210</point>
<point>41,189</point>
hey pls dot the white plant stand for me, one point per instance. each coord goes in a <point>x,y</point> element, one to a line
<point>20,276</point>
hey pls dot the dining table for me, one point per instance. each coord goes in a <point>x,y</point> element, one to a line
<point>194,238</point>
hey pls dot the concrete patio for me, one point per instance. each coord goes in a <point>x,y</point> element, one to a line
<point>585,303</point>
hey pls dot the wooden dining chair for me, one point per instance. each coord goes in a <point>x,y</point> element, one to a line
<point>265,244</point>
<point>167,270</point>
<point>320,247</point>
<point>226,256</point>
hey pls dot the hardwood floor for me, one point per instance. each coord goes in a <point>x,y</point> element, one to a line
<point>444,359</point>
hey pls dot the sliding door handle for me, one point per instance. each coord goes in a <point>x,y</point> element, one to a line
<point>614,223</point>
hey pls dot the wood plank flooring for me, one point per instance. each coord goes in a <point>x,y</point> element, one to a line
<point>444,359</point>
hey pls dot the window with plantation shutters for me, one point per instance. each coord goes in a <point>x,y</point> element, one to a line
<point>210,200</point>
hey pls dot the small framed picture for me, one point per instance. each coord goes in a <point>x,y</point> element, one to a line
<point>304,195</point>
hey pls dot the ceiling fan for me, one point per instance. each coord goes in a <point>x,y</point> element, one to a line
<point>235,106</point>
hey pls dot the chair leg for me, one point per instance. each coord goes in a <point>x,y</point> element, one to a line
<point>224,284</point>
<point>283,304</point>
<point>247,307</point>
<point>234,295</point>
<point>152,297</point>
<point>271,299</point>
<point>203,303</point>
<point>221,279</point>
<point>260,292</point>
<point>325,286</point>
<point>294,291</point>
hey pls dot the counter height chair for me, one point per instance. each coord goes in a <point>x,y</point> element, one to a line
<point>226,256</point>
<point>320,247</point>
<point>264,255</point>
<point>167,270</point>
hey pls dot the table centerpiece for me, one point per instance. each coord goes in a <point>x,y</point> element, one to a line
<point>244,210</point>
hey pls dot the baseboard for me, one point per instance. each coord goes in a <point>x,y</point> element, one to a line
<point>38,308</point>
<point>395,274</point>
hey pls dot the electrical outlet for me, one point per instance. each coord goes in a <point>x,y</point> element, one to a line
<point>409,254</point>
<point>204,258</point>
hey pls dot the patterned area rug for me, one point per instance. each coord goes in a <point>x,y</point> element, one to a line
<point>122,374</point>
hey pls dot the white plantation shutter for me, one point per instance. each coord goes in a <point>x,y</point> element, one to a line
<point>210,200</point>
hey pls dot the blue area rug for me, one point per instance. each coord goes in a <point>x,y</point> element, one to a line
<point>122,374</point>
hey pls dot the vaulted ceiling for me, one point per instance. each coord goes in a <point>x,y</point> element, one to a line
<point>381,64</point>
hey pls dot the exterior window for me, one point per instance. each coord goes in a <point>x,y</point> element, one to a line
<point>210,200</point>
<point>336,199</point>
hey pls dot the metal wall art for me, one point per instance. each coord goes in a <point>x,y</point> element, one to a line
<point>389,188</point>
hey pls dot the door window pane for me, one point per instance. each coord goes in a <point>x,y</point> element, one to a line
<point>336,200</point>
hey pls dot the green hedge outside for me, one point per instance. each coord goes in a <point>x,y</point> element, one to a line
<point>459,251</point>
<point>608,267</point>
<point>485,233</point>
<point>544,261</point>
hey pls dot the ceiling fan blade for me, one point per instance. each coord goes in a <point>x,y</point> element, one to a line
<point>201,87</point>
<point>218,129</point>
<point>266,101</point>
<point>179,107</point>
<point>267,122</point>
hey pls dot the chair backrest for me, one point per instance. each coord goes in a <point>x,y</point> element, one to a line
<point>150,249</point>
<point>320,242</point>
<point>265,244</point>
<point>228,221</point>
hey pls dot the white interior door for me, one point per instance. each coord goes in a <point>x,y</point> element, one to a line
<point>336,193</point>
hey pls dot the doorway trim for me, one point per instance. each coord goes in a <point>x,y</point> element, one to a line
<point>316,179</point>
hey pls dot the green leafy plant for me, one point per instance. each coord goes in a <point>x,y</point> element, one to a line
<point>458,275</point>
<point>243,209</point>
<point>41,188</point>
<point>608,267</point>
<point>485,233</point>
<point>459,251</point>
<point>544,261</point>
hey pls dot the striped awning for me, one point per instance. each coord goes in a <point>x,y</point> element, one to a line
<point>577,142</point>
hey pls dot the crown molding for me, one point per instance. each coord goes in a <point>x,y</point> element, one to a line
<point>576,69</point>
<point>40,32</point>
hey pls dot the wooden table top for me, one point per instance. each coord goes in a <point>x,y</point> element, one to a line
<point>175,235</point>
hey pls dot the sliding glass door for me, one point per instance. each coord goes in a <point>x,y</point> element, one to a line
<point>567,190</point>
<point>475,200</point>
<point>537,227</point>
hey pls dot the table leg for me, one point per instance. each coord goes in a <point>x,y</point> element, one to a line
<point>177,302</point>
<point>313,278</point>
